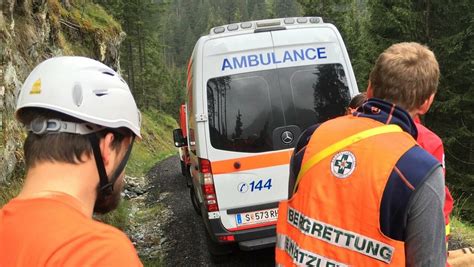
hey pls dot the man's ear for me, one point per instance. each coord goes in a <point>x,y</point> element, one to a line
<point>426,105</point>
<point>370,91</point>
<point>106,148</point>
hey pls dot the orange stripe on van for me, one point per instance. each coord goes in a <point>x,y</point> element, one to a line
<point>190,63</point>
<point>252,162</point>
<point>189,74</point>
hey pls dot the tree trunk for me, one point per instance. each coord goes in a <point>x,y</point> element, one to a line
<point>130,70</point>
<point>427,21</point>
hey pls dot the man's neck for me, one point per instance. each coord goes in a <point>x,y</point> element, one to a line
<point>76,180</point>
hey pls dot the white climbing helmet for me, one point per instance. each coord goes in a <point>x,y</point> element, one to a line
<point>82,88</point>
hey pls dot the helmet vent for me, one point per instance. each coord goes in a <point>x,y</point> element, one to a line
<point>108,73</point>
<point>77,96</point>
<point>101,92</point>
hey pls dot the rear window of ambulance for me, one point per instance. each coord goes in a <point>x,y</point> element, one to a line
<point>240,112</point>
<point>245,109</point>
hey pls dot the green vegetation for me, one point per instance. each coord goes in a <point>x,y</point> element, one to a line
<point>91,17</point>
<point>155,82</point>
<point>10,189</point>
<point>369,27</point>
<point>157,142</point>
<point>119,217</point>
<point>187,20</point>
<point>161,36</point>
<point>12,186</point>
<point>156,145</point>
<point>80,28</point>
<point>146,216</point>
<point>133,214</point>
<point>462,232</point>
<point>84,28</point>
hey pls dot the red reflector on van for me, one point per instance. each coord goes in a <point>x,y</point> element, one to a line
<point>212,207</point>
<point>208,189</point>
<point>226,238</point>
<point>204,166</point>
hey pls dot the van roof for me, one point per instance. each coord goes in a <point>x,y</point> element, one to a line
<point>265,25</point>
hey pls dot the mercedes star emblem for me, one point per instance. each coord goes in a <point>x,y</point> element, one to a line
<point>287,137</point>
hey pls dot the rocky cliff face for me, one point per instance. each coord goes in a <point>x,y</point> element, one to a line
<point>34,30</point>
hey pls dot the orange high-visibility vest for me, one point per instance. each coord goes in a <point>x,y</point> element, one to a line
<point>333,219</point>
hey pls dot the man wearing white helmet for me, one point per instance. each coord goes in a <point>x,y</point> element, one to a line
<point>81,120</point>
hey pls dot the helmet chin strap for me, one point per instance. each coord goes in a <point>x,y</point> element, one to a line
<point>106,187</point>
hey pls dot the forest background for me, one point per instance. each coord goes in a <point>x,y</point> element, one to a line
<point>160,36</point>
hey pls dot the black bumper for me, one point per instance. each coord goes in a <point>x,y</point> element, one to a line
<point>248,239</point>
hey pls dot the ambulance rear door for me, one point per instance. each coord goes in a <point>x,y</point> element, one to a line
<point>243,99</point>
<point>314,74</point>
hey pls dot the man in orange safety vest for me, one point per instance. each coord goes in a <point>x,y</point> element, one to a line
<point>363,193</point>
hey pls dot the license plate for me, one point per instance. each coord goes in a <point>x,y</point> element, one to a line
<point>256,217</point>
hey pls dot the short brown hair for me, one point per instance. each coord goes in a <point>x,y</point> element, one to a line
<point>60,147</point>
<point>406,74</point>
<point>358,100</point>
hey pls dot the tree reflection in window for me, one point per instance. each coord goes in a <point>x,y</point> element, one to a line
<point>245,109</point>
<point>239,112</point>
<point>330,91</point>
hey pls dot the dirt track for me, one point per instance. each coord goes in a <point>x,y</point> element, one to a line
<point>184,239</point>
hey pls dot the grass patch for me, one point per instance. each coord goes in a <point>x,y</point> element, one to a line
<point>12,186</point>
<point>91,17</point>
<point>148,213</point>
<point>147,216</point>
<point>10,189</point>
<point>462,231</point>
<point>156,143</point>
<point>82,28</point>
<point>119,217</point>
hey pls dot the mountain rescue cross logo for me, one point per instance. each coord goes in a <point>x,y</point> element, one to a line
<point>343,164</point>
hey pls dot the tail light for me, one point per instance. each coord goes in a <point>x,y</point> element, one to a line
<point>208,189</point>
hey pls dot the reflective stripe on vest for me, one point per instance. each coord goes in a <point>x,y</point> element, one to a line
<point>448,229</point>
<point>303,257</point>
<point>340,237</point>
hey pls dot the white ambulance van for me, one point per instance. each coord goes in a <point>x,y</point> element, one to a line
<point>252,88</point>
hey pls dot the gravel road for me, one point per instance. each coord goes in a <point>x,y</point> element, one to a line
<point>184,239</point>
<point>177,233</point>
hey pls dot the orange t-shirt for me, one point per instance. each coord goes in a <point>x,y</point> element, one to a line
<point>53,230</point>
